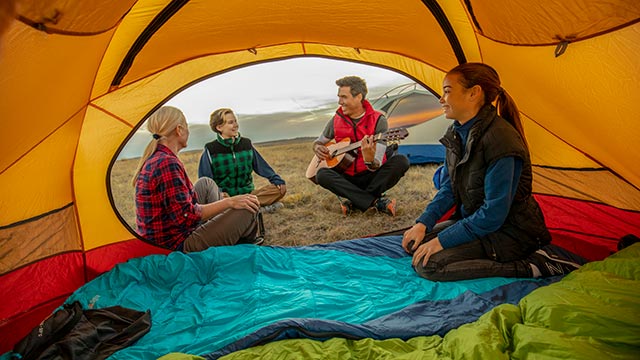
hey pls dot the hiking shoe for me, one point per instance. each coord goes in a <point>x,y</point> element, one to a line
<point>551,261</point>
<point>269,209</point>
<point>386,206</point>
<point>346,206</point>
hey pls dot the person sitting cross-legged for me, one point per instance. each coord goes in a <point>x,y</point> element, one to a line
<point>231,159</point>
<point>373,172</point>
<point>173,213</point>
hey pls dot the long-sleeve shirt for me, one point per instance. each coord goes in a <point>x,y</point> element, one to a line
<point>501,182</point>
<point>260,167</point>
<point>166,203</point>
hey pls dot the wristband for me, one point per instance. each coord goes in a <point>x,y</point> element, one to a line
<point>371,164</point>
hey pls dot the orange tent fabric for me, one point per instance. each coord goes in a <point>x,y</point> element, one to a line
<point>78,77</point>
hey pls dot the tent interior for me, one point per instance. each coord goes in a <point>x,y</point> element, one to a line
<point>77,78</point>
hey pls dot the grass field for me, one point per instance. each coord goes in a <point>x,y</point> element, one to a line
<point>311,214</point>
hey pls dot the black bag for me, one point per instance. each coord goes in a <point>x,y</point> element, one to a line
<point>74,333</point>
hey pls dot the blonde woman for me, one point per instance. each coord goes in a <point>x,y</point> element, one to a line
<point>173,213</point>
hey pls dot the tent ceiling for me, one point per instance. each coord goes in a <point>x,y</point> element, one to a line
<point>544,22</point>
<point>73,17</point>
<point>202,28</point>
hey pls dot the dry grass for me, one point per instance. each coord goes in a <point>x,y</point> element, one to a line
<point>311,214</point>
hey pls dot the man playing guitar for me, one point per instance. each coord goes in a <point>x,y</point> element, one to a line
<point>372,172</point>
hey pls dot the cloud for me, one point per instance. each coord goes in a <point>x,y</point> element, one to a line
<point>274,101</point>
<point>294,85</point>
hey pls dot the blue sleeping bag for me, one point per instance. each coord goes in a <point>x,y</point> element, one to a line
<point>229,298</point>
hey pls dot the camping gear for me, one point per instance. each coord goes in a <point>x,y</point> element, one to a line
<point>227,299</point>
<point>74,333</point>
<point>78,78</point>
<point>230,297</point>
<point>419,110</point>
<point>564,320</point>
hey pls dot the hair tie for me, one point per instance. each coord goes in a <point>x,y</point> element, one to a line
<point>156,136</point>
<point>500,91</point>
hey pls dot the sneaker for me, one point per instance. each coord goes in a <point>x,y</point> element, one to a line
<point>258,241</point>
<point>346,206</point>
<point>269,209</point>
<point>386,206</point>
<point>551,260</point>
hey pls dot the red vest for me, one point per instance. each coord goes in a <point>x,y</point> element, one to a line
<point>343,127</point>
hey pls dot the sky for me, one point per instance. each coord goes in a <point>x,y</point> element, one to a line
<point>295,97</point>
<point>294,85</point>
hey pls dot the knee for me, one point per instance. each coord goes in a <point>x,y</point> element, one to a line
<point>423,271</point>
<point>399,162</point>
<point>207,190</point>
<point>205,183</point>
<point>403,162</point>
<point>429,272</point>
<point>323,176</point>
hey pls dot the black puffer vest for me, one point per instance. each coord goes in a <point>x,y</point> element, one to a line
<point>490,139</point>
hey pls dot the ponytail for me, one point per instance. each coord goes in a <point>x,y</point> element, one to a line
<point>150,149</point>
<point>487,78</point>
<point>160,124</point>
<point>508,110</point>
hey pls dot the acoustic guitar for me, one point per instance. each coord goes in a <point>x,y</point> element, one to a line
<point>341,153</point>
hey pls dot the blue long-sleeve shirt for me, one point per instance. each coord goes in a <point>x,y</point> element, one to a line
<point>501,182</point>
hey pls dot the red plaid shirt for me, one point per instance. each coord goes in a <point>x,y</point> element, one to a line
<point>166,204</point>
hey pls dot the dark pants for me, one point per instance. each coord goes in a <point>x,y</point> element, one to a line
<point>469,261</point>
<point>363,189</point>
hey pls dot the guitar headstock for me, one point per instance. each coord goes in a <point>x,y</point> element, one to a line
<point>394,135</point>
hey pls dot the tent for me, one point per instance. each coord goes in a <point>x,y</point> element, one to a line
<point>418,110</point>
<point>78,77</point>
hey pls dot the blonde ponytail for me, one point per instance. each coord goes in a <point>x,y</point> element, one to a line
<point>160,124</point>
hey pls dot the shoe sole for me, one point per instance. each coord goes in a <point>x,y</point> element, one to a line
<point>566,262</point>
<point>346,210</point>
<point>391,208</point>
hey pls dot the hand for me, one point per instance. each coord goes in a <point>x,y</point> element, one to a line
<point>247,201</point>
<point>425,251</point>
<point>282,188</point>
<point>368,148</point>
<point>413,237</point>
<point>321,151</point>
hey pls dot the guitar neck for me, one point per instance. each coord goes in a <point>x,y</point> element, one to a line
<point>352,146</point>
